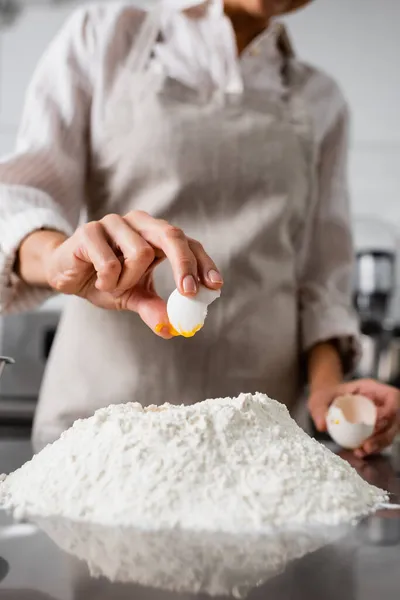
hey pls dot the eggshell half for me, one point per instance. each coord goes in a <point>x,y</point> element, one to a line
<point>351,420</point>
<point>187,315</point>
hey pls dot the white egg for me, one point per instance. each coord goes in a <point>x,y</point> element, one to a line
<point>351,420</point>
<point>187,315</point>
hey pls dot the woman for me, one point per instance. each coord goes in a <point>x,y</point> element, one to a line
<point>201,116</point>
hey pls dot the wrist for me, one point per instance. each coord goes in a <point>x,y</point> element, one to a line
<point>34,255</point>
<point>327,381</point>
<point>50,243</point>
<point>325,367</point>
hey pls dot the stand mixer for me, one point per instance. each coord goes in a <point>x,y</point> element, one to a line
<point>4,361</point>
<point>373,291</point>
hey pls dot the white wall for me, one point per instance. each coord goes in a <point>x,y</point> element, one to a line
<point>358,42</point>
<point>21,45</point>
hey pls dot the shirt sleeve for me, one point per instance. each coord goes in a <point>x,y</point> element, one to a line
<point>326,275</point>
<point>42,183</point>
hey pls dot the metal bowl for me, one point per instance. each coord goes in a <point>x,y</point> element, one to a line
<point>5,360</point>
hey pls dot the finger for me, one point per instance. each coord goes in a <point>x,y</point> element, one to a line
<point>152,310</point>
<point>387,414</point>
<point>364,387</point>
<point>376,391</point>
<point>137,254</point>
<point>351,387</point>
<point>173,242</point>
<point>96,249</point>
<point>380,441</point>
<point>389,406</point>
<point>318,406</point>
<point>359,453</point>
<point>381,425</point>
<point>206,267</point>
<point>319,420</point>
<point>385,398</point>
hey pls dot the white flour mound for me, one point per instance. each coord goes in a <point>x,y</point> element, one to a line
<point>229,465</point>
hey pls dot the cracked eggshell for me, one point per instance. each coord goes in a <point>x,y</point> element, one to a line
<point>351,420</point>
<point>187,315</point>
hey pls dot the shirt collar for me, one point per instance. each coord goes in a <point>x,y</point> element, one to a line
<point>277,30</point>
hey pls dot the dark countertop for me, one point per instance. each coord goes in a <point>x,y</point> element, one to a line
<point>361,564</point>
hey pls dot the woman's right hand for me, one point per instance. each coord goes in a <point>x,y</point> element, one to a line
<point>110,263</point>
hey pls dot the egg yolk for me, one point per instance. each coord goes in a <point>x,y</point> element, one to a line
<point>186,334</point>
<point>174,332</point>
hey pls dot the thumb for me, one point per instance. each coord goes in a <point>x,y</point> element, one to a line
<point>318,406</point>
<point>152,310</point>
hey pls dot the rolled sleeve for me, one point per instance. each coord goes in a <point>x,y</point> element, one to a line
<point>32,210</point>
<point>325,290</point>
<point>42,184</point>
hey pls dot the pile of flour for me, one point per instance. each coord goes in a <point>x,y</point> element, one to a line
<point>229,465</point>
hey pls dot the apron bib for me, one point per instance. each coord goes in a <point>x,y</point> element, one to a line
<point>234,172</point>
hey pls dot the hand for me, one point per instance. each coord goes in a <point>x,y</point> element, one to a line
<point>110,263</point>
<point>386,399</point>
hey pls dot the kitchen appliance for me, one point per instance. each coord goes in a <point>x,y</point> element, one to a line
<point>389,360</point>
<point>373,292</point>
<point>4,568</point>
<point>374,286</point>
<point>5,360</point>
<point>27,338</point>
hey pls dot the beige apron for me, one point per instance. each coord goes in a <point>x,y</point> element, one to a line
<point>234,171</point>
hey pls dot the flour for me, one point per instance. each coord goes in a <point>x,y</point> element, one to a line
<point>228,465</point>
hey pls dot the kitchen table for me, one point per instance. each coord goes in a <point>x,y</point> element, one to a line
<point>360,564</point>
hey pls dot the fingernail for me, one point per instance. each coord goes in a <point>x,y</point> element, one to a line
<point>189,285</point>
<point>214,276</point>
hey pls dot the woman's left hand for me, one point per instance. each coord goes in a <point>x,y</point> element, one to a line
<point>386,399</point>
